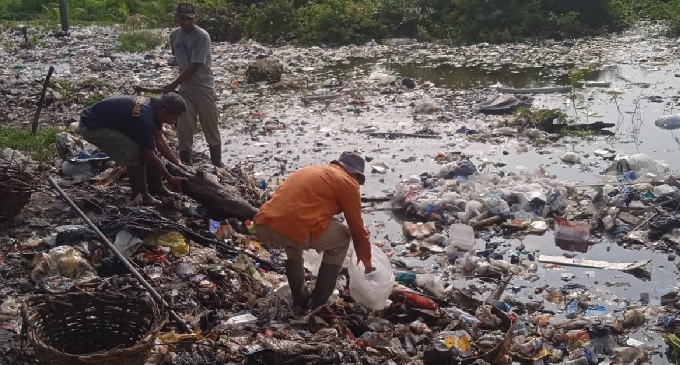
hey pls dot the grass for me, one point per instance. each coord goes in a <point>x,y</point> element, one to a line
<point>41,146</point>
<point>93,99</point>
<point>66,88</point>
<point>139,41</point>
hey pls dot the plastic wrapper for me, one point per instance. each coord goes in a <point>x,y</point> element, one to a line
<point>312,260</point>
<point>63,261</point>
<point>432,283</point>
<point>372,289</point>
<point>639,163</point>
<point>458,168</point>
<point>174,240</point>
<point>566,230</point>
<point>473,210</point>
<point>668,122</point>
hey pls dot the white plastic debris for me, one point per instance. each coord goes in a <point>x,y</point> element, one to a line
<point>461,238</point>
<point>571,157</point>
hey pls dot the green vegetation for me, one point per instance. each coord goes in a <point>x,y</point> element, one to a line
<point>356,21</point>
<point>139,41</point>
<point>93,99</point>
<point>40,147</point>
<point>66,88</point>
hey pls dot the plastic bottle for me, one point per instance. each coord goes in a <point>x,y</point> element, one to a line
<point>667,320</point>
<point>419,327</point>
<point>464,317</point>
<point>520,328</point>
<point>572,309</point>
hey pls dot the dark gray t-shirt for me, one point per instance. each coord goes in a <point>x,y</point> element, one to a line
<point>189,48</point>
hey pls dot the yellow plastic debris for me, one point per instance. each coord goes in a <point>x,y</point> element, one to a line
<point>174,240</point>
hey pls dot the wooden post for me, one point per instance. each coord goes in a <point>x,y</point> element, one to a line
<point>36,118</point>
<point>63,15</point>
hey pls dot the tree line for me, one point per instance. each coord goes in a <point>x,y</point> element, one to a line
<point>336,22</point>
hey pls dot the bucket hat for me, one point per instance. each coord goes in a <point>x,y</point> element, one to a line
<point>353,163</point>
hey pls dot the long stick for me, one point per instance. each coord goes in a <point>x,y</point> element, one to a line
<point>180,322</point>
<point>36,117</point>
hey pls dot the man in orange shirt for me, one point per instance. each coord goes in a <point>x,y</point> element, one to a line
<point>299,216</point>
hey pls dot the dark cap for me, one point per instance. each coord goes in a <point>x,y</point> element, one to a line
<point>186,9</point>
<point>173,103</point>
<point>353,163</point>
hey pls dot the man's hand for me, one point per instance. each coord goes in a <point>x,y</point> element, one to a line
<point>169,88</point>
<point>368,266</point>
<point>183,167</point>
<point>176,183</point>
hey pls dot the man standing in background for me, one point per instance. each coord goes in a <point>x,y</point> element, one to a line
<point>191,48</point>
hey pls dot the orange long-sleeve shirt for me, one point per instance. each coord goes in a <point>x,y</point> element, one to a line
<point>308,199</point>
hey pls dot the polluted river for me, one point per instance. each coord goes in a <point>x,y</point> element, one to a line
<point>355,98</point>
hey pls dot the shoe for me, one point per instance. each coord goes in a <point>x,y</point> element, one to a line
<point>325,284</point>
<point>185,157</point>
<point>216,155</point>
<point>295,271</point>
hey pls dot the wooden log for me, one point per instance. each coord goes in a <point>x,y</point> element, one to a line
<point>223,201</point>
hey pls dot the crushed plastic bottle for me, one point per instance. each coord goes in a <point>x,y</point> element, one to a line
<point>464,316</point>
<point>572,309</point>
<point>519,328</point>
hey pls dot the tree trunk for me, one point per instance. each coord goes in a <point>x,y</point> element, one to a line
<point>223,201</point>
<point>63,15</point>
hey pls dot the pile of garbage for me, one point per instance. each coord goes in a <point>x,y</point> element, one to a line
<point>457,193</point>
<point>232,291</point>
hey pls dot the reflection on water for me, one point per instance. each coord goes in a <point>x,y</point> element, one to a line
<point>447,75</point>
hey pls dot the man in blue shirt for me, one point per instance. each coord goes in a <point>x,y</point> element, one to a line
<point>129,129</point>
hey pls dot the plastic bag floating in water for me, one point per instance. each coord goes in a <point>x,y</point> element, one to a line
<point>668,122</point>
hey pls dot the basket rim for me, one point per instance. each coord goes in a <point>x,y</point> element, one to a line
<point>28,309</point>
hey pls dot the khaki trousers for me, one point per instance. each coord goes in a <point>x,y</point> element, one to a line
<point>204,109</point>
<point>123,150</point>
<point>334,243</point>
<point>118,146</point>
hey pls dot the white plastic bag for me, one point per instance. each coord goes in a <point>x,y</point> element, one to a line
<point>312,259</point>
<point>668,122</point>
<point>372,289</point>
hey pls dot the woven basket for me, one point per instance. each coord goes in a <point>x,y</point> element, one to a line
<point>89,329</point>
